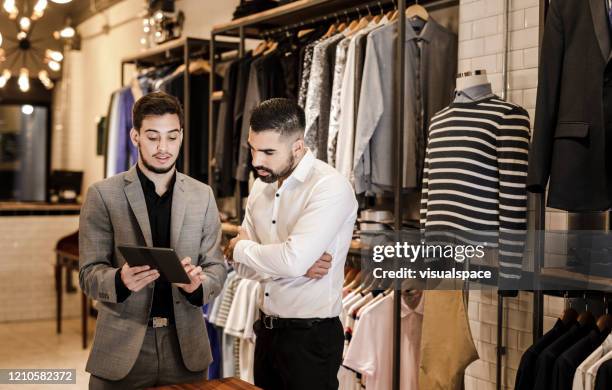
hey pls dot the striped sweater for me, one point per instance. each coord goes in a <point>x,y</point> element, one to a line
<point>475,174</point>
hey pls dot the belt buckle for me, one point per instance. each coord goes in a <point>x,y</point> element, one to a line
<point>265,322</point>
<point>160,322</point>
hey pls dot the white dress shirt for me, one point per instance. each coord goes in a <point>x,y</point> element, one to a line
<point>289,228</point>
<point>581,372</point>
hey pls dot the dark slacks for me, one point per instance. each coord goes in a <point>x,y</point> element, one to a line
<point>159,363</point>
<point>298,358</point>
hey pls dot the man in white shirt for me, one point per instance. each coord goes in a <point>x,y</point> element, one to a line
<point>299,210</point>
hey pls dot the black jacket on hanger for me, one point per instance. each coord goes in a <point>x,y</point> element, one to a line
<point>574,109</point>
<point>525,376</point>
<point>603,380</point>
<point>568,362</point>
<point>546,360</point>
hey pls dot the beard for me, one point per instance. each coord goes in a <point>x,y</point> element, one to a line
<point>276,175</point>
<point>153,168</point>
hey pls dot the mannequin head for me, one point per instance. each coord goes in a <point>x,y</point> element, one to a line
<point>276,138</point>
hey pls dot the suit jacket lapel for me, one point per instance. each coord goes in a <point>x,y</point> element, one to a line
<point>135,196</point>
<point>600,23</point>
<point>179,203</point>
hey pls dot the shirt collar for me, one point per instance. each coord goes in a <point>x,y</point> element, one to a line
<point>427,34</point>
<point>406,309</point>
<point>301,171</point>
<point>149,186</point>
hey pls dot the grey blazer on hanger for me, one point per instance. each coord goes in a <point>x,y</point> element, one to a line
<point>114,213</point>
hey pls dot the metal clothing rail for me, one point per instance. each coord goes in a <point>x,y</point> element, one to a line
<point>307,13</point>
<point>181,50</point>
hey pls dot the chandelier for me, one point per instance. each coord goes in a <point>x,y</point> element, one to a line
<point>31,56</point>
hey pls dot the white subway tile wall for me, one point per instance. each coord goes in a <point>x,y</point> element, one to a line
<point>26,267</point>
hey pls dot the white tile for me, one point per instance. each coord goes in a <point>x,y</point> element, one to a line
<point>494,7</point>
<point>494,44</point>
<point>523,79</point>
<point>465,65</point>
<point>531,56</point>
<point>471,49</point>
<point>465,31</point>
<point>472,11</point>
<point>530,97</point>
<point>517,20</point>
<point>516,60</point>
<point>532,17</point>
<point>523,39</point>
<point>522,4</point>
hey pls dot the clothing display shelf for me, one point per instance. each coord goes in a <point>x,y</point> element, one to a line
<point>179,51</point>
<point>309,13</point>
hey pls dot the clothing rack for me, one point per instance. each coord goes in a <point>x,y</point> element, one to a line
<point>179,51</point>
<point>304,14</point>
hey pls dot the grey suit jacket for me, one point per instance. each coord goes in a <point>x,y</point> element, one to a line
<point>115,213</point>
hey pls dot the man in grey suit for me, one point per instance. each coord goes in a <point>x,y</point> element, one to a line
<point>150,332</point>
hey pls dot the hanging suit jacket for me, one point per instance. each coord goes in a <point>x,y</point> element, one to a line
<point>574,98</point>
<point>566,364</point>
<point>525,376</point>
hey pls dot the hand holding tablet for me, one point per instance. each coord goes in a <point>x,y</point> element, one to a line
<point>164,260</point>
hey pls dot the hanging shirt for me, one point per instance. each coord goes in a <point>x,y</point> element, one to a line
<point>580,375</point>
<point>335,106</point>
<point>371,348</point>
<point>290,227</point>
<point>318,98</point>
<point>429,86</point>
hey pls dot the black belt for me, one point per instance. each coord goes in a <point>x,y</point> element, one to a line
<point>273,322</point>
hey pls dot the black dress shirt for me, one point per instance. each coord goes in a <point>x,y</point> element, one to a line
<point>159,209</point>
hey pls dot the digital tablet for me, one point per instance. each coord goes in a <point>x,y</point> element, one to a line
<point>165,260</point>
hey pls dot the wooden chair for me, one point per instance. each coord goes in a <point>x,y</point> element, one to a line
<point>67,261</point>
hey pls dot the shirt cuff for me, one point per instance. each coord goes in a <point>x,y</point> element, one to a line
<point>240,255</point>
<point>122,291</point>
<point>196,297</point>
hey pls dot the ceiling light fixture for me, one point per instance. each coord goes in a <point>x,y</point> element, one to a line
<point>4,77</point>
<point>23,56</point>
<point>61,1</point>
<point>24,80</point>
<point>25,24</point>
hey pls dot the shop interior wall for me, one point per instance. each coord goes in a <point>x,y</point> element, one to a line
<point>93,73</point>
<point>481,46</point>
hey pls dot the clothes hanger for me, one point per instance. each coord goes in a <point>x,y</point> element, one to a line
<point>586,317</point>
<point>569,314</point>
<point>392,15</point>
<point>260,48</point>
<point>604,322</point>
<point>378,17</point>
<point>353,24</point>
<point>333,28</point>
<point>417,10</point>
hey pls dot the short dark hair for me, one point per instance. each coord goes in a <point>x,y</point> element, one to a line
<point>156,104</point>
<point>281,115</point>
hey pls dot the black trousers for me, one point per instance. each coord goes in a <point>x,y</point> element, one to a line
<point>298,358</point>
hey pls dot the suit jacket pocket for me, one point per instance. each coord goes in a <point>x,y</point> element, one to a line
<point>572,130</point>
